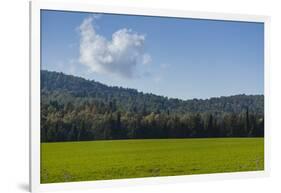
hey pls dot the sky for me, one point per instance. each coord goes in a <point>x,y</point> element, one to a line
<point>173,57</point>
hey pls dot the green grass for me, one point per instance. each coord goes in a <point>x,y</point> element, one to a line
<point>102,160</point>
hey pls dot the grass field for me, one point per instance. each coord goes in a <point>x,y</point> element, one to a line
<point>102,160</point>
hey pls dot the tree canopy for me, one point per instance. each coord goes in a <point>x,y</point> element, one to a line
<point>76,109</point>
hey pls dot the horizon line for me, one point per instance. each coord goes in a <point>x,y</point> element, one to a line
<point>172,98</point>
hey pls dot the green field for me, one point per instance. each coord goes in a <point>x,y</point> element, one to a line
<point>102,160</point>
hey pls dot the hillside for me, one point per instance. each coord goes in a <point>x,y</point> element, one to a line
<point>76,109</point>
<point>68,88</point>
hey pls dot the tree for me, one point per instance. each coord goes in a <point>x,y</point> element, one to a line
<point>74,109</point>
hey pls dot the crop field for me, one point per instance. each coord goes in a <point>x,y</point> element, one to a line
<point>118,159</point>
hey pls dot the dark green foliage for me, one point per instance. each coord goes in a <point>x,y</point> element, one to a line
<point>75,109</point>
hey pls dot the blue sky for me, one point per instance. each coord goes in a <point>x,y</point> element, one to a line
<point>179,58</point>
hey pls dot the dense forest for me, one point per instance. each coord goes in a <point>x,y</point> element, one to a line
<point>76,109</point>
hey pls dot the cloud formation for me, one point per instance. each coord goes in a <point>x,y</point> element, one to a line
<point>119,56</point>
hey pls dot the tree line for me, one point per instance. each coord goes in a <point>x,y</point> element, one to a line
<point>76,109</point>
<point>99,121</point>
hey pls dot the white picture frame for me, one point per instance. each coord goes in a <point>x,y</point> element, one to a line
<point>36,6</point>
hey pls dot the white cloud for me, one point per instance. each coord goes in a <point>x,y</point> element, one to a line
<point>119,56</point>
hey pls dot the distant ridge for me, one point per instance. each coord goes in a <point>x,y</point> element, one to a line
<point>131,99</point>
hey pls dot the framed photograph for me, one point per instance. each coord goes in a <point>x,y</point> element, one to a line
<point>124,96</point>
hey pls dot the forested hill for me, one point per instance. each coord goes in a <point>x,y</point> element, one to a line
<point>76,109</point>
<point>66,89</point>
